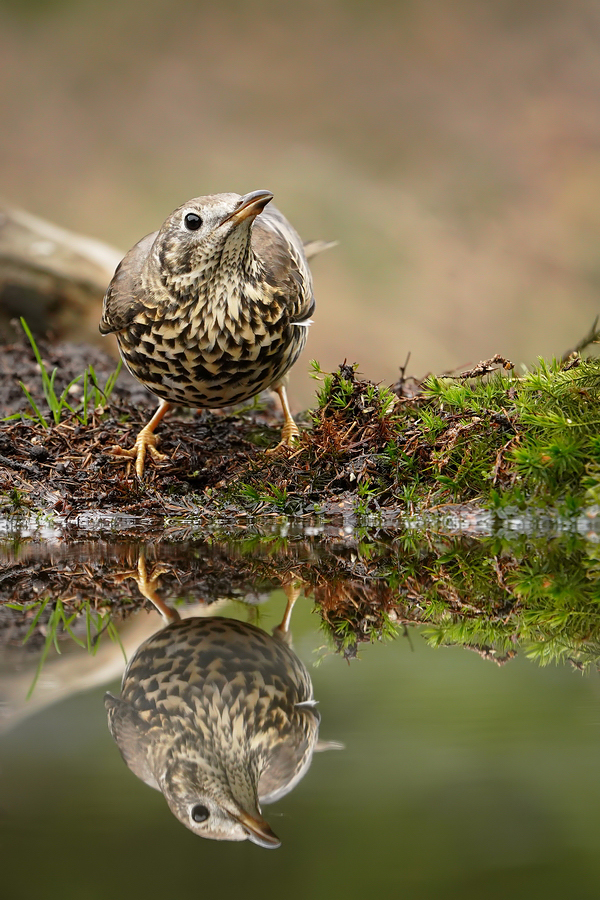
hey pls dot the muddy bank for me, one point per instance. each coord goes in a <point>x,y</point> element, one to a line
<point>68,466</point>
<point>484,437</point>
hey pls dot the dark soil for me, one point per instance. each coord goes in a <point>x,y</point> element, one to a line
<point>216,466</point>
<point>69,467</point>
<point>18,364</point>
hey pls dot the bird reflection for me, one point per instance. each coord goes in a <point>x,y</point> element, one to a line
<point>219,716</point>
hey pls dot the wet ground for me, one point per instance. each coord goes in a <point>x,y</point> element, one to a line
<point>68,465</point>
<point>363,449</point>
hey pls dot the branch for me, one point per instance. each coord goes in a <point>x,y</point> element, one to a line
<point>591,337</point>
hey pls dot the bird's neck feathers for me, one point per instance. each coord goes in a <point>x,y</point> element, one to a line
<point>218,264</point>
<point>233,784</point>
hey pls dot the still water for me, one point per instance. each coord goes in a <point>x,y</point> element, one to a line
<point>447,774</point>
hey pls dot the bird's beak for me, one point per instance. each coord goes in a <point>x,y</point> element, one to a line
<point>249,207</point>
<point>259,831</point>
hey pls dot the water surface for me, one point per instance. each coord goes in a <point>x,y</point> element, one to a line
<point>459,777</point>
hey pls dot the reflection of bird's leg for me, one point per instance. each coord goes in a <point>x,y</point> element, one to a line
<point>292,591</point>
<point>147,585</point>
<point>146,440</point>
<point>290,430</point>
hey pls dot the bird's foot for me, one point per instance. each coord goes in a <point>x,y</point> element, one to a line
<point>145,441</point>
<point>292,591</point>
<point>289,436</point>
<point>147,583</point>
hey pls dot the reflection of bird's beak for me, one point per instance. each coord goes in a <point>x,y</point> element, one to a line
<point>259,831</point>
<point>250,206</point>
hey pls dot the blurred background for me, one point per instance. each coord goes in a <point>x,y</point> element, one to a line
<point>459,780</point>
<point>451,146</point>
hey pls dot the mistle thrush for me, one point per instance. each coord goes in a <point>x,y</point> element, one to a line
<point>213,308</point>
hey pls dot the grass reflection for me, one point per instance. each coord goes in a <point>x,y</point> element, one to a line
<point>59,623</point>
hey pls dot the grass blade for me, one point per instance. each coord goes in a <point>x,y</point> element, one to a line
<point>42,420</point>
<point>32,627</point>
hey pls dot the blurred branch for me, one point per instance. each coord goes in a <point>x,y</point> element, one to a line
<point>53,277</point>
<point>591,337</point>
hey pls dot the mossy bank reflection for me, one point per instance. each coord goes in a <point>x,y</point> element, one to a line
<point>219,716</point>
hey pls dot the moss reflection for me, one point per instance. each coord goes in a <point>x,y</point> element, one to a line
<point>534,594</point>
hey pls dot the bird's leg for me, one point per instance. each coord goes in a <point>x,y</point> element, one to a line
<point>146,440</point>
<point>147,585</point>
<point>292,592</point>
<point>290,430</point>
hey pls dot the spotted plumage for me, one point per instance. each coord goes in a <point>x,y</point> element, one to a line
<point>220,717</point>
<point>214,307</point>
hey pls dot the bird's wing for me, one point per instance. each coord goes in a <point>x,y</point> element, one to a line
<point>123,300</point>
<point>131,735</point>
<point>289,760</point>
<point>280,250</point>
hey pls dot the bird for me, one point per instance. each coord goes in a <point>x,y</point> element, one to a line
<point>220,716</point>
<point>212,309</point>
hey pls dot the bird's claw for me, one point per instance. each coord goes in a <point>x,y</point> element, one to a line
<point>289,437</point>
<point>144,442</point>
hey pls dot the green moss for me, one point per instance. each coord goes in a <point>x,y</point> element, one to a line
<point>538,431</point>
<point>496,438</point>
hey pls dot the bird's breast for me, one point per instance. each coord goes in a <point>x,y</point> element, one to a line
<point>214,348</point>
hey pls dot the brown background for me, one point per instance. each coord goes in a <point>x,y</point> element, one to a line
<point>452,146</point>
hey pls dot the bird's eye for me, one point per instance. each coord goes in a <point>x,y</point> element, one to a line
<point>192,222</point>
<point>200,813</point>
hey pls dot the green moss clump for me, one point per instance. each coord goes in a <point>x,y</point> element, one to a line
<point>492,437</point>
<point>540,433</point>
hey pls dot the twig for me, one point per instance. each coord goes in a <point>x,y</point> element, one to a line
<point>402,389</point>
<point>592,336</point>
<point>484,367</point>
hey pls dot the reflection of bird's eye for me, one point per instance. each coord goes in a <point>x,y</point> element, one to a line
<point>200,813</point>
<point>192,222</point>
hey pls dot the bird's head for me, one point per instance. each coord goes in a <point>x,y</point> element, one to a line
<point>215,807</point>
<point>207,232</point>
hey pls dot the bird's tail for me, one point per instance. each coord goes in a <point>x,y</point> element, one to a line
<point>313,248</point>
